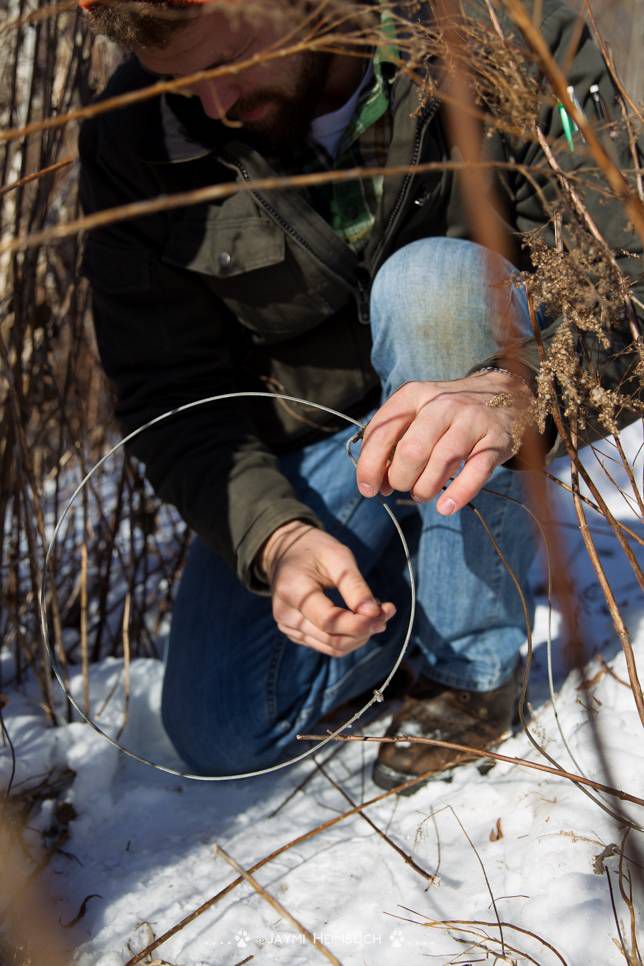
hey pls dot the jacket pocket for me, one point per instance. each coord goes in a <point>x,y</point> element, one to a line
<point>226,249</point>
<point>270,283</point>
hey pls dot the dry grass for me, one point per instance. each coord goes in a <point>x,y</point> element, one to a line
<point>119,551</point>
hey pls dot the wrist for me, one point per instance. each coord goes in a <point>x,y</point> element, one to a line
<point>503,380</point>
<point>523,379</point>
<point>276,544</point>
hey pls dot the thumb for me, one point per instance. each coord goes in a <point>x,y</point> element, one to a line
<point>355,590</point>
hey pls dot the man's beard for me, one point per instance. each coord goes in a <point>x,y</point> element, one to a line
<point>287,123</point>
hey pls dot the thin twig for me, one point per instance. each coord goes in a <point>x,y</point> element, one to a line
<point>482,753</point>
<point>533,37</point>
<point>584,499</point>
<point>125,630</point>
<point>276,905</point>
<point>428,876</point>
<point>83,618</point>
<point>482,922</point>
<point>35,175</point>
<point>485,876</point>
<point>305,781</point>
<point>52,10</point>
<point>528,663</point>
<point>136,209</point>
<point>305,837</point>
<point>578,469</point>
<point>444,924</point>
<point>616,917</point>
<point>623,876</point>
<point>615,613</point>
<point>610,63</point>
<point>629,472</point>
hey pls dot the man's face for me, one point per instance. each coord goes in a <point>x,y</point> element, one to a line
<point>275,100</point>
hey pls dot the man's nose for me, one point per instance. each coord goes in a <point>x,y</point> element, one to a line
<point>216,97</point>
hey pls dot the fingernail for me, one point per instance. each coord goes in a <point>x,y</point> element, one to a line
<point>366,489</point>
<point>378,628</point>
<point>447,506</point>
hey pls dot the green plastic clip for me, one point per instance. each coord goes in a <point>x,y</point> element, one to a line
<point>569,126</point>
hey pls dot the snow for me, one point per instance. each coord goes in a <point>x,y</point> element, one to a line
<point>145,842</point>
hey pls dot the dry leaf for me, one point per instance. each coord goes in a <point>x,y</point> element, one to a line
<point>497,831</point>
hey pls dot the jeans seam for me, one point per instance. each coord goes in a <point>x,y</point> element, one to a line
<point>461,683</point>
<point>349,509</point>
<point>272,676</point>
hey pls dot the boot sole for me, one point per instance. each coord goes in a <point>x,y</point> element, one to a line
<point>385,777</point>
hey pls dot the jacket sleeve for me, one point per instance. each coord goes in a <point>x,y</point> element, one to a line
<point>165,341</point>
<point>612,362</point>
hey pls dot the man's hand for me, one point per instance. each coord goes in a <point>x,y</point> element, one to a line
<point>420,437</point>
<point>300,562</point>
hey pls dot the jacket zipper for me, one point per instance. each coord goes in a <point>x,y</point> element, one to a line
<point>363,295</point>
<point>424,118</point>
<point>284,225</point>
<point>360,291</point>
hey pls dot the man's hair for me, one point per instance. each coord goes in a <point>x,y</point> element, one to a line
<point>141,23</point>
<point>153,23</point>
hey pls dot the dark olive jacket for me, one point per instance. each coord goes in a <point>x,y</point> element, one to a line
<point>256,292</point>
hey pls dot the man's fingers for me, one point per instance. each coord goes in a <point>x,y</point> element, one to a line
<point>380,438</point>
<point>302,607</point>
<point>304,632</point>
<point>431,482</point>
<point>415,448</point>
<point>307,640</point>
<point>328,617</point>
<point>294,620</point>
<point>308,607</point>
<point>474,475</point>
<point>447,455</point>
<point>344,574</point>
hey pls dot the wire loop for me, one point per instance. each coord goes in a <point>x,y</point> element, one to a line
<point>378,694</point>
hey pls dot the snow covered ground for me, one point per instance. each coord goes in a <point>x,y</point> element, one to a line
<point>143,843</point>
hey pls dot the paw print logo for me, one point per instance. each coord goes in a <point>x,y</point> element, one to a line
<point>397,939</point>
<point>242,938</point>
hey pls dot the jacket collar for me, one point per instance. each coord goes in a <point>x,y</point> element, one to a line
<point>185,133</point>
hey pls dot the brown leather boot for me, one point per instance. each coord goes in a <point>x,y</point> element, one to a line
<point>474,718</point>
<point>400,686</point>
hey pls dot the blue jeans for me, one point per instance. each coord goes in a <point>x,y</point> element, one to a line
<point>236,690</point>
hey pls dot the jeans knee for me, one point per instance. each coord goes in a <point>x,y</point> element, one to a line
<point>208,747</point>
<point>452,270</point>
<point>440,306</point>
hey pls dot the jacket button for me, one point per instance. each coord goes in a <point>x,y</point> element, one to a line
<point>225,260</point>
